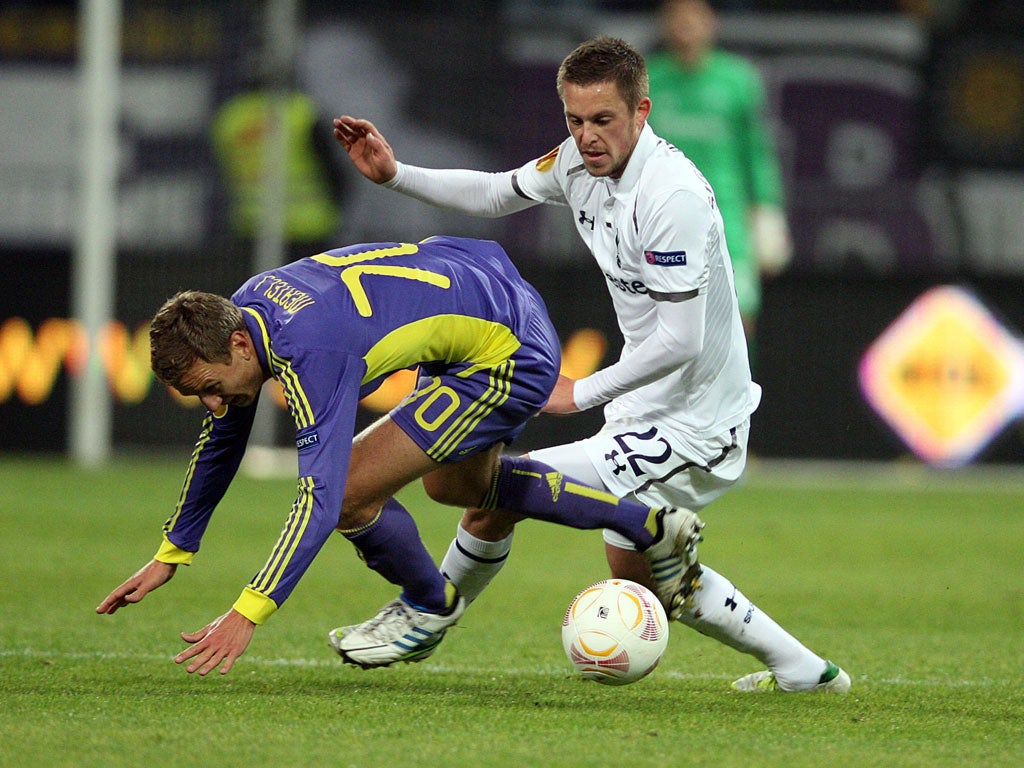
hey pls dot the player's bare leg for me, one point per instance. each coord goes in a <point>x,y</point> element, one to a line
<point>629,564</point>
<point>409,628</point>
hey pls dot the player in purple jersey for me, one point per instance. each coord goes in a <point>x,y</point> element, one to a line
<point>330,328</point>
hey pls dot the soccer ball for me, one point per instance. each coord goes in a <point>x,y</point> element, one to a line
<point>615,632</point>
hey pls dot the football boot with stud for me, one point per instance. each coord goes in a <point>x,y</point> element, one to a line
<point>673,558</point>
<point>398,633</point>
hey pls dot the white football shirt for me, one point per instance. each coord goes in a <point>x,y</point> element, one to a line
<point>657,235</point>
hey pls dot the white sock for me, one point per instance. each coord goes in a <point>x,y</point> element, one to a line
<point>470,563</point>
<point>722,612</point>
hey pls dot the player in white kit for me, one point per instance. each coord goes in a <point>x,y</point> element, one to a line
<point>679,399</point>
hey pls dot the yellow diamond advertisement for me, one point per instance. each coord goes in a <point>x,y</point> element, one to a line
<point>946,376</point>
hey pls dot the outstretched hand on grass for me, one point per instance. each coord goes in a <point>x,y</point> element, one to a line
<point>152,575</point>
<point>219,642</point>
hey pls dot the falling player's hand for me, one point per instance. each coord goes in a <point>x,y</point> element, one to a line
<point>137,586</point>
<point>219,643</point>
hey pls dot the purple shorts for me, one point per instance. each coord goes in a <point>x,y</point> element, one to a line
<point>452,415</point>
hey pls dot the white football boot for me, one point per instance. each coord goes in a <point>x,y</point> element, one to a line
<point>673,558</point>
<point>833,680</point>
<point>398,632</point>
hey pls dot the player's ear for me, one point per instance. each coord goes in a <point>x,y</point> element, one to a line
<point>242,342</point>
<point>643,109</point>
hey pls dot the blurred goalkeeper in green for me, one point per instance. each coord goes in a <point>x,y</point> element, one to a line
<point>710,104</point>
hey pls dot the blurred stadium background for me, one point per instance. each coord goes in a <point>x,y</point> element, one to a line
<point>900,125</point>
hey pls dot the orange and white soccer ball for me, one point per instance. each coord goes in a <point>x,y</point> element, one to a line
<point>615,632</point>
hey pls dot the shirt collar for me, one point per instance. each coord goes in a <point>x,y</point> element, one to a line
<point>257,328</point>
<point>644,148</point>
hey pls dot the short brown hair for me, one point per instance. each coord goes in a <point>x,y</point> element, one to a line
<point>191,326</point>
<point>605,59</point>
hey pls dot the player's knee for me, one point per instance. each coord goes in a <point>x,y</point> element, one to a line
<point>452,490</point>
<point>489,524</point>
<point>359,507</point>
<point>464,484</point>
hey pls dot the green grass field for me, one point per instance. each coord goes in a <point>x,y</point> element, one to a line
<point>911,580</point>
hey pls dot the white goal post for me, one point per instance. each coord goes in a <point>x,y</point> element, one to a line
<point>94,261</point>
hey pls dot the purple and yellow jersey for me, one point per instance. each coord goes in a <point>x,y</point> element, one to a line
<point>330,328</point>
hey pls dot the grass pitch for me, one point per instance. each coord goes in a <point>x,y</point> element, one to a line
<point>911,580</point>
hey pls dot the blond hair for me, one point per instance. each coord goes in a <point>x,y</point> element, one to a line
<point>191,326</point>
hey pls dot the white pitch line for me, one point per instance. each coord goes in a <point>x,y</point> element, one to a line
<point>435,668</point>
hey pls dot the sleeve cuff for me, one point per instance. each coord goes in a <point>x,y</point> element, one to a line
<point>171,553</point>
<point>255,606</point>
<point>395,180</point>
<point>584,394</point>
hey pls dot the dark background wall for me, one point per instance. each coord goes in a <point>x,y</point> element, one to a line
<point>895,181</point>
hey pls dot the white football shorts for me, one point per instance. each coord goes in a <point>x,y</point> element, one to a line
<point>653,464</point>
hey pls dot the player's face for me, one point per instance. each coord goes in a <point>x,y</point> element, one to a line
<point>604,128</point>
<point>220,384</point>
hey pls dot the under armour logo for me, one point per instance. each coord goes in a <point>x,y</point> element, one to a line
<point>583,219</point>
<point>616,467</point>
<point>731,604</point>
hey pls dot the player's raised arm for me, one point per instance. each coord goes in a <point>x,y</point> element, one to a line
<point>470,192</point>
<point>366,146</point>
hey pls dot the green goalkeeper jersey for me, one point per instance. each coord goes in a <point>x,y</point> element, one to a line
<point>714,114</point>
